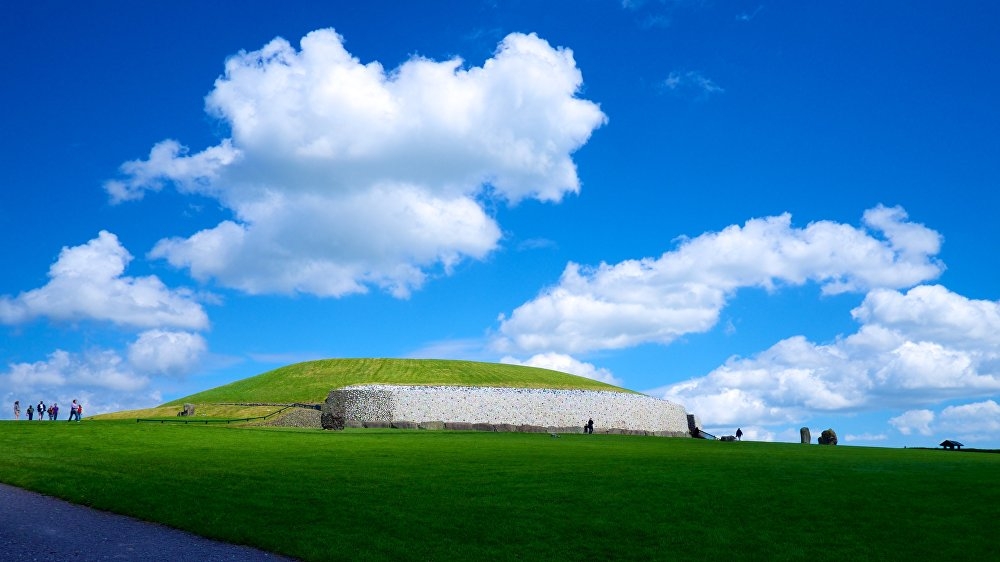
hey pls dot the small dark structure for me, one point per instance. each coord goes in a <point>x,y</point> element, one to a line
<point>828,437</point>
<point>699,433</point>
<point>952,445</point>
<point>330,421</point>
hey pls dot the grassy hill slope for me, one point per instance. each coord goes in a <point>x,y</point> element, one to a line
<point>313,380</point>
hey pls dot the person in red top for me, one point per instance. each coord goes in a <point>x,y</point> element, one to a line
<point>74,411</point>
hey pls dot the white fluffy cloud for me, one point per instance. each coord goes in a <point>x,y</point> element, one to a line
<point>978,417</point>
<point>566,364</point>
<point>166,352</point>
<point>100,369</point>
<point>683,291</point>
<point>914,348</point>
<point>62,371</point>
<point>933,313</point>
<point>914,421</point>
<point>103,378</point>
<point>977,420</point>
<point>87,283</point>
<point>342,175</point>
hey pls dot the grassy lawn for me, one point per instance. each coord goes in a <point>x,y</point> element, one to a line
<point>418,495</point>
<point>202,412</point>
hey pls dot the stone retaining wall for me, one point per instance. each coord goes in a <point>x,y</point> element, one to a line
<point>503,409</point>
<point>296,417</point>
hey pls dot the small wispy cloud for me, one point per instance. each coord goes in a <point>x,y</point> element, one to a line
<point>690,83</point>
<point>659,14</point>
<point>472,349</point>
<point>536,244</point>
<point>865,437</point>
<point>655,21</point>
<point>744,16</point>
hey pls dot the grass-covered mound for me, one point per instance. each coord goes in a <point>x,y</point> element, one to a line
<point>312,381</point>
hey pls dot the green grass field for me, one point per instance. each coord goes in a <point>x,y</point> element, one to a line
<point>424,495</point>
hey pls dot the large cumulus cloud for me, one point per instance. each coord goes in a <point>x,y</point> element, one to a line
<point>656,300</point>
<point>342,175</point>
<point>87,282</point>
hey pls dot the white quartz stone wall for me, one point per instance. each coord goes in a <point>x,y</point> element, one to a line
<point>515,406</point>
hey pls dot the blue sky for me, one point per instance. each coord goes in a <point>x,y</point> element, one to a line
<point>776,214</point>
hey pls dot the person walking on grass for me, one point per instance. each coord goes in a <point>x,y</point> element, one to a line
<point>31,411</point>
<point>17,410</point>
<point>55,411</point>
<point>73,411</point>
<point>41,410</point>
<point>739,434</point>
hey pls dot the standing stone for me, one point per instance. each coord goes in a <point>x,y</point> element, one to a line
<point>328,417</point>
<point>805,436</point>
<point>693,425</point>
<point>828,437</point>
<point>188,410</point>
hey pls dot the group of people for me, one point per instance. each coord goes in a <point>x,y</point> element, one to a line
<point>588,428</point>
<point>52,411</point>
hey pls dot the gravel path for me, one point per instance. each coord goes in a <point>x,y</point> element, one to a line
<point>38,527</point>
